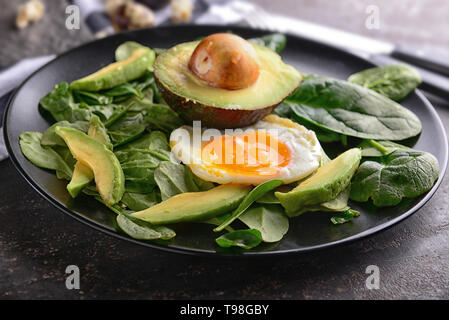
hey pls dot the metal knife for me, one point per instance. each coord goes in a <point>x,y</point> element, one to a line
<point>432,71</point>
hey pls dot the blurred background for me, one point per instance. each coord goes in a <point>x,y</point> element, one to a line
<point>42,27</point>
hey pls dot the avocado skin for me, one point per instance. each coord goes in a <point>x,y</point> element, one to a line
<point>120,72</point>
<point>195,206</point>
<point>325,189</point>
<point>212,117</point>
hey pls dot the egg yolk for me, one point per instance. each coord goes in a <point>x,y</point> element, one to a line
<point>252,153</point>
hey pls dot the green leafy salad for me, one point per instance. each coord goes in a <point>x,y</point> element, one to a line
<point>111,140</point>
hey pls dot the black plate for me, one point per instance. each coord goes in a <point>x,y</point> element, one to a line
<point>308,232</point>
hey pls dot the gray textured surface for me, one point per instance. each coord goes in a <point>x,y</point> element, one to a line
<point>37,242</point>
<point>47,36</point>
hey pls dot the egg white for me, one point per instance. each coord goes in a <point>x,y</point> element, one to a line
<point>304,147</point>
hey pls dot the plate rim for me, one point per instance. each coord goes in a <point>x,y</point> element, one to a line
<point>205,252</point>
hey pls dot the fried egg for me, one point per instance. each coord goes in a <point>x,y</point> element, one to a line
<point>273,148</point>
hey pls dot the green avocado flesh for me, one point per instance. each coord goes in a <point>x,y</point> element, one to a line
<point>325,185</point>
<point>194,206</point>
<point>108,173</point>
<point>276,80</point>
<point>118,72</point>
<point>83,175</point>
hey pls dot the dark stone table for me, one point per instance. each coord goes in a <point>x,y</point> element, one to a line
<point>37,243</point>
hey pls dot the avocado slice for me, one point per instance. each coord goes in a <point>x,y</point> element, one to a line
<point>195,99</point>
<point>133,67</point>
<point>195,206</point>
<point>82,174</point>
<point>108,173</point>
<point>329,181</point>
<point>97,130</point>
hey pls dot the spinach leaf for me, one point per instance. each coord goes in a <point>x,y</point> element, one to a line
<point>245,239</point>
<point>91,190</point>
<point>158,116</point>
<point>270,220</point>
<point>142,230</point>
<point>141,185</point>
<point>139,168</point>
<point>137,89</point>
<point>393,81</point>
<point>124,91</point>
<point>352,110</point>
<point>61,105</point>
<point>139,174</point>
<point>162,117</point>
<point>148,95</point>
<point>344,216</point>
<point>327,136</point>
<point>138,202</point>
<point>268,198</point>
<point>50,138</point>
<point>196,184</point>
<point>142,143</point>
<point>42,156</point>
<point>139,163</point>
<point>108,113</point>
<point>127,128</point>
<point>92,98</point>
<point>283,110</point>
<point>159,146</point>
<point>252,196</point>
<point>390,178</point>
<point>323,135</point>
<point>127,155</point>
<point>275,41</point>
<point>157,94</point>
<point>372,148</point>
<point>144,84</point>
<point>173,179</point>
<point>66,155</point>
<point>170,178</point>
<point>126,134</point>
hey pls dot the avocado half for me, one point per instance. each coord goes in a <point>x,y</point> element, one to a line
<point>193,99</point>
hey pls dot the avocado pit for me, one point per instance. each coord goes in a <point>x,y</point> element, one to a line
<point>225,61</point>
<point>220,104</point>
